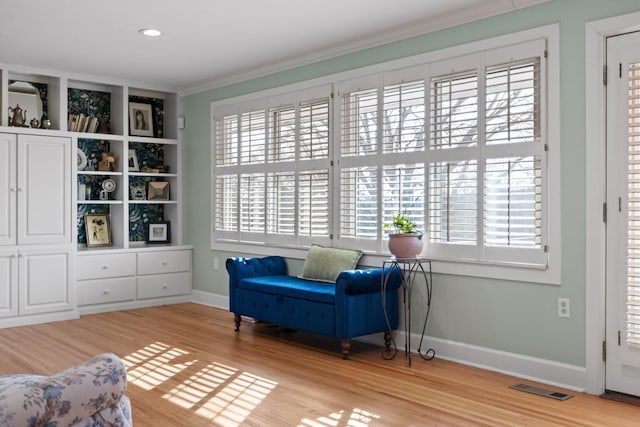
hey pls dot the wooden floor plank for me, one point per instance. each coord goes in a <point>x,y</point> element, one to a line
<point>187,367</point>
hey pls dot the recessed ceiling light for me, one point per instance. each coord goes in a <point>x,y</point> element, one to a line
<point>150,32</point>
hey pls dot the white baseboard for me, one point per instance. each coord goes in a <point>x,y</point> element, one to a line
<point>132,305</point>
<point>536,369</point>
<point>212,300</point>
<point>34,319</point>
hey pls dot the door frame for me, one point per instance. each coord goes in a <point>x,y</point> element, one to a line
<point>596,33</point>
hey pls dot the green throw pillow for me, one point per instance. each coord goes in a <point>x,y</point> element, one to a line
<point>325,264</point>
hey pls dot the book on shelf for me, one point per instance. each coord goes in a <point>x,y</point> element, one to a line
<point>82,123</point>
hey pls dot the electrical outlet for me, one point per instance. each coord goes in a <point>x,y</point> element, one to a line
<point>216,263</point>
<point>564,309</point>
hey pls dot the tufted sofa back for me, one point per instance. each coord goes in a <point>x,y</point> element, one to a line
<point>240,268</point>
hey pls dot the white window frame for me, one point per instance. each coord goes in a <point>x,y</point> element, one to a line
<point>548,272</point>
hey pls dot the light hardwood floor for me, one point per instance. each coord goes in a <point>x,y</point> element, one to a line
<point>187,367</point>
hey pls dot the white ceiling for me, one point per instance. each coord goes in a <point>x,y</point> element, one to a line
<point>209,43</point>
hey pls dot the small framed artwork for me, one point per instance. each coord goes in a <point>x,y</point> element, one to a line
<point>97,230</point>
<point>133,161</point>
<point>137,192</point>
<point>158,232</point>
<point>140,119</point>
<point>158,190</point>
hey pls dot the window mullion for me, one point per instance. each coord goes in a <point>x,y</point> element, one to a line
<point>380,163</point>
<point>482,145</point>
<point>297,132</point>
<point>265,196</point>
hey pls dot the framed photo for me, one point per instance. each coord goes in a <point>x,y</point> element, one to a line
<point>140,119</point>
<point>158,232</point>
<point>133,161</point>
<point>137,192</point>
<point>97,230</point>
<point>158,190</point>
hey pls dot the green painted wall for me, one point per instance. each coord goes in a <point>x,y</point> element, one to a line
<point>510,316</point>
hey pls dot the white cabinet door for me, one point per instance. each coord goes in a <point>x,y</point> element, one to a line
<point>44,190</point>
<point>8,189</point>
<point>8,282</point>
<point>44,280</point>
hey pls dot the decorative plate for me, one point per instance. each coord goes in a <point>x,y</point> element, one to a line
<point>82,160</point>
<point>108,185</point>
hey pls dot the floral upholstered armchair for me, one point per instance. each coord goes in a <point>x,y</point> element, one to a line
<point>87,395</point>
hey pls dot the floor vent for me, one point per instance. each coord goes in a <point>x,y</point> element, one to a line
<point>541,391</point>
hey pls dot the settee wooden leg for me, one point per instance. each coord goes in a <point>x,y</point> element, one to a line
<point>236,319</point>
<point>387,341</point>
<point>345,345</point>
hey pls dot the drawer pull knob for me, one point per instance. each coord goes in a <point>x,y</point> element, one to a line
<point>105,267</point>
<point>165,263</point>
<point>165,286</point>
<point>106,291</point>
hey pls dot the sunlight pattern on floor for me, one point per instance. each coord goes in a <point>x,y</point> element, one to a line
<point>154,365</point>
<point>234,403</point>
<point>358,418</point>
<point>214,391</point>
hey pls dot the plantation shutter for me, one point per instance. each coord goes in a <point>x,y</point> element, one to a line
<point>359,202</point>
<point>633,210</point>
<point>271,174</point>
<point>403,113</point>
<point>458,144</point>
<point>382,129</point>
<point>226,214</point>
<point>454,110</point>
<point>513,102</point>
<point>512,208</point>
<point>359,120</point>
<point>403,191</point>
<point>513,185</point>
<point>358,163</point>
<point>453,198</point>
<point>313,203</point>
<point>226,183</point>
<point>455,150</point>
<point>253,138</point>
<point>281,203</point>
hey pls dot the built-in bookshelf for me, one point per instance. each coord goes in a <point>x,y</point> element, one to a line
<point>126,141</point>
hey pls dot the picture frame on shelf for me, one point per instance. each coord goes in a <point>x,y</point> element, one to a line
<point>134,166</point>
<point>137,192</point>
<point>158,232</point>
<point>97,230</point>
<point>158,190</point>
<point>140,119</point>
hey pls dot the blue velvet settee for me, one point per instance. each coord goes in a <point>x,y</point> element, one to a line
<point>349,307</point>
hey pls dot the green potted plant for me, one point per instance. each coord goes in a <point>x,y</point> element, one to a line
<point>405,237</point>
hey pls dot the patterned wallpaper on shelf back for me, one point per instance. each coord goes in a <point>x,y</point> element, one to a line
<point>93,149</point>
<point>139,216</point>
<point>149,155</point>
<point>90,103</point>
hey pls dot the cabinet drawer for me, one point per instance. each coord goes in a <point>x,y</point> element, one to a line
<point>164,262</point>
<point>106,290</point>
<point>164,285</point>
<point>101,266</point>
